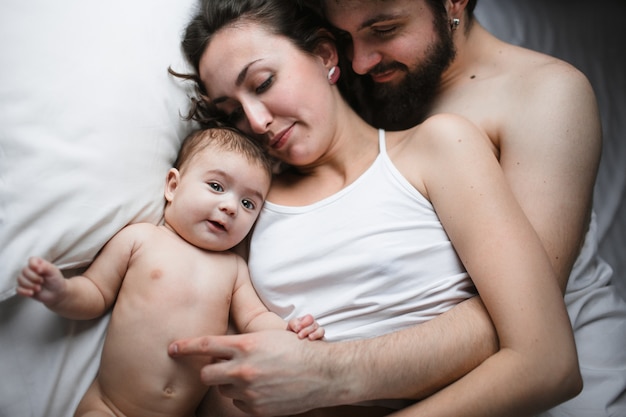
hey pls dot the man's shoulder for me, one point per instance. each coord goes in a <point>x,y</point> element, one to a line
<point>531,68</point>
<point>516,78</point>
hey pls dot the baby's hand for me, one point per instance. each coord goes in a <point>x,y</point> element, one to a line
<point>306,327</point>
<point>42,281</point>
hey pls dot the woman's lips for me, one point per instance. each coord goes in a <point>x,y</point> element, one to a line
<point>281,138</point>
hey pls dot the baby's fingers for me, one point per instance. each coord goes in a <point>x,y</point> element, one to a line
<point>306,320</point>
<point>312,332</point>
<point>318,334</point>
<point>28,283</point>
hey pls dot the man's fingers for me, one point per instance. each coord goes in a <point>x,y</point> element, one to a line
<point>219,347</point>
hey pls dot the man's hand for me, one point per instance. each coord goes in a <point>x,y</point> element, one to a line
<point>265,373</point>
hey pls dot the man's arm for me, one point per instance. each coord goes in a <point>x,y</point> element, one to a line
<point>433,354</point>
<point>274,373</point>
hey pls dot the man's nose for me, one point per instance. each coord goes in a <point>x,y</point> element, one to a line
<point>363,57</point>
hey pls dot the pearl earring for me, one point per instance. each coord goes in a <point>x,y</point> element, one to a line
<point>333,74</point>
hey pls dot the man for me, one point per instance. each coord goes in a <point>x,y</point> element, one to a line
<point>421,57</point>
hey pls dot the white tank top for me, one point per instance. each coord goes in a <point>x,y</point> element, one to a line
<point>368,260</point>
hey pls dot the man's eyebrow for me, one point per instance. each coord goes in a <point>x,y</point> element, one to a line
<point>240,77</point>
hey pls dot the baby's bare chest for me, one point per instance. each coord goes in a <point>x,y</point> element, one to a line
<point>178,291</point>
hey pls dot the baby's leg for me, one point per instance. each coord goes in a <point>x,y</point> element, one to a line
<point>92,403</point>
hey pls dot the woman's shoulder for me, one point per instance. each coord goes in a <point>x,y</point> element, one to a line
<point>439,143</point>
<point>442,129</point>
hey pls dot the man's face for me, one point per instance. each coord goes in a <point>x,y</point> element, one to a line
<point>401,48</point>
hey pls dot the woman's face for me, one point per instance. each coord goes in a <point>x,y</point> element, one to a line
<point>271,89</point>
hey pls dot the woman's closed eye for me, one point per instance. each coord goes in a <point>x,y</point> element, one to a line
<point>264,85</point>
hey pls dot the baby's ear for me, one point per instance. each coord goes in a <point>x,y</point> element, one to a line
<point>171,183</point>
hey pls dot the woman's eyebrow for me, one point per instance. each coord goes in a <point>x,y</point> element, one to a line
<point>244,72</point>
<point>240,78</point>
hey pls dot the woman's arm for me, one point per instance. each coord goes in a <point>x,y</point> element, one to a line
<point>549,152</point>
<point>536,366</point>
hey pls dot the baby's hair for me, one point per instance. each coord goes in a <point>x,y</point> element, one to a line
<point>226,139</point>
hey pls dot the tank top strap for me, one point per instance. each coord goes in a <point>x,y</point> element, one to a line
<point>382,146</point>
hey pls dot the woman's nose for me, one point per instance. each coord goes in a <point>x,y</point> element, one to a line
<point>258,116</point>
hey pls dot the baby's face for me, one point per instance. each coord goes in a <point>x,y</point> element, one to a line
<point>218,199</point>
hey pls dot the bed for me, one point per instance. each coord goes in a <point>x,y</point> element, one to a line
<point>90,123</point>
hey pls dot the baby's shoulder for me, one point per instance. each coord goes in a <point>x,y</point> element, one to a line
<point>134,233</point>
<point>141,230</point>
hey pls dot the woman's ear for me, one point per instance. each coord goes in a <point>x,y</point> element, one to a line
<point>326,49</point>
<point>171,183</point>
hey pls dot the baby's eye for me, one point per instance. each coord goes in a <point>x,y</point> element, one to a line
<point>248,204</point>
<point>216,187</point>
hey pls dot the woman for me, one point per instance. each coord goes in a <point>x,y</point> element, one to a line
<point>377,231</point>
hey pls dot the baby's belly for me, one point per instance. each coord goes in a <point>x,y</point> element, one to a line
<point>136,372</point>
<point>149,383</point>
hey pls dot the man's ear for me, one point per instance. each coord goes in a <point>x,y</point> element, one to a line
<point>171,183</point>
<point>456,8</point>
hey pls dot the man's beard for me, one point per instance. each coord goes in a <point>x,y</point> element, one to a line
<point>407,103</point>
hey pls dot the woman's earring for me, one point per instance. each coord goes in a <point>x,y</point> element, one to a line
<point>454,23</point>
<point>333,74</point>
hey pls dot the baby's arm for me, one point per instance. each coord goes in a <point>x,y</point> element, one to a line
<point>250,314</point>
<point>44,282</point>
<point>81,297</point>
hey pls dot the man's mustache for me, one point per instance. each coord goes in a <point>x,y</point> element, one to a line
<point>383,67</point>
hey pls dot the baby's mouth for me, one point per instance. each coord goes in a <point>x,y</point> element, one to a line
<point>217,225</point>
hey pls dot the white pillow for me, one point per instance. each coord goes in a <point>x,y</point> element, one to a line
<point>89,123</point>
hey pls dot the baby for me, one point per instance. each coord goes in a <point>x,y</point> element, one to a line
<point>173,281</point>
